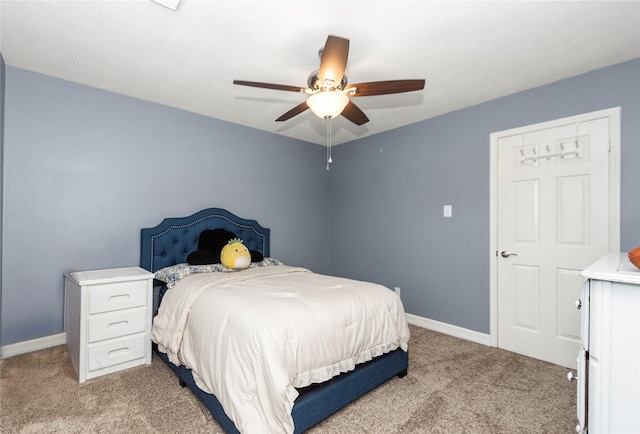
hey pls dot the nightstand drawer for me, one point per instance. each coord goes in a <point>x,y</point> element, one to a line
<point>115,296</point>
<point>120,323</point>
<point>117,351</point>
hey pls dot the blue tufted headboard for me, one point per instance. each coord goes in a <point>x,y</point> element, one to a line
<point>171,241</point>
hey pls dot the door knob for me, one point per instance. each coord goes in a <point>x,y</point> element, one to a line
<point>506,254</point>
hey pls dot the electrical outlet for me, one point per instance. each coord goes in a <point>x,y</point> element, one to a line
<point>397,290</point>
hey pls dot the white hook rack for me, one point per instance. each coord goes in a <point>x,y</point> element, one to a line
<point>562,154</point>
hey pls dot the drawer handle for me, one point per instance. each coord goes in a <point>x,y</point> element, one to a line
<point>118,353</point>
<point>119,298</point>
<point>118,325</point>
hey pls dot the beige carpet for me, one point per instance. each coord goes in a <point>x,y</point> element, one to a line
<point>453,386</point>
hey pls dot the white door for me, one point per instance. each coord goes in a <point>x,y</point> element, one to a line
<point>556,211</point>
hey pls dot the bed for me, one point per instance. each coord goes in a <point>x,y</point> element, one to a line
<point>164,249</point>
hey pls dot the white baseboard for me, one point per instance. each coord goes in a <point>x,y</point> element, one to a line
<point>449,329</point>
<point>32,345</point>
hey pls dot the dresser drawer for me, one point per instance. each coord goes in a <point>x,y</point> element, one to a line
<point>119,323</point>
<point>108,353</point>
<point>115,296</point>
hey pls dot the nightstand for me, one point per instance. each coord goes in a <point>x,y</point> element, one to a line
<point>108,319</point>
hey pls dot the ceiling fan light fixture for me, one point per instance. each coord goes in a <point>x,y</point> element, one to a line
<point>327,103</point>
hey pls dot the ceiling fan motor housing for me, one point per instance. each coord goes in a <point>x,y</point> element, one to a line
<point>313,82</point>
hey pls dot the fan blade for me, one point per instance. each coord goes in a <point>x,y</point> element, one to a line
<point>270,86</point>
<point>334,60</point>
<point>354,114</point>
<point>384,87</point>
<point>293,112</point>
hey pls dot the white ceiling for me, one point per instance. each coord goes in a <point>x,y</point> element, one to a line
<point>468,52</point>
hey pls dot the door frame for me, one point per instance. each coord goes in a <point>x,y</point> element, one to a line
<point>614,195</point>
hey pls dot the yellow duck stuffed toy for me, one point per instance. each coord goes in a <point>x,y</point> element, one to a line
<point>235,255</point>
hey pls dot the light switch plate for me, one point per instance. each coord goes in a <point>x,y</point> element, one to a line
<point>447,211</point>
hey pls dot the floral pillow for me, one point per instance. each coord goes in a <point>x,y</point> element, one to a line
<point>172,275</point>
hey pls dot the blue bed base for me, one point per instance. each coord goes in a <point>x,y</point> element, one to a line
<point>170,243</point>
<point>314,406</point>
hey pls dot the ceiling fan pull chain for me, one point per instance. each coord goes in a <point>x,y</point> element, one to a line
<point>329,159</point>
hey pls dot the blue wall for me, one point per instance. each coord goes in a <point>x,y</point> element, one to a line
<point>87,169</point>
<point>386,209</point>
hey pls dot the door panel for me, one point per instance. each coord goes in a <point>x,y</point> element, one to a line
<point>526,303</point>
<point>568,324</point>
<point>573,210</point>
<point>525,199</point>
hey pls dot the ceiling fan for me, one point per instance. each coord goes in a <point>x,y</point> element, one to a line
<point>329,91</point>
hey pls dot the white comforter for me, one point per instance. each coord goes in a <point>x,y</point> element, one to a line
<point>252,336</point>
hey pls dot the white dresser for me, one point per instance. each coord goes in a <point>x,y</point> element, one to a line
<point>609,362</point>
<point>108,319</point>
